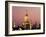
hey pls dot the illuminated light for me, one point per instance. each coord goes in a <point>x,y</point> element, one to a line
<point>14,24</point>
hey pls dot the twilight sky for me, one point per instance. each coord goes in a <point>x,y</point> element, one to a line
<point>18,14</point>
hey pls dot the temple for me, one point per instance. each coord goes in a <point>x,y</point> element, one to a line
<point>26,24</point>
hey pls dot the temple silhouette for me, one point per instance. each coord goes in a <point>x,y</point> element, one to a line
<point>26,25</point>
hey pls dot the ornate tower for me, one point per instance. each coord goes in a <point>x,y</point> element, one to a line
<point>26,23</point>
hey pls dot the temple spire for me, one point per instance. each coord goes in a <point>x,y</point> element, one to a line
<point>26,13</point>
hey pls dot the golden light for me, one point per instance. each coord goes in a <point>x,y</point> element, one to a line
<point>25,18</point>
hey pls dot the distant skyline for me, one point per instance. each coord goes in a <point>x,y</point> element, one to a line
<point>18,14</point>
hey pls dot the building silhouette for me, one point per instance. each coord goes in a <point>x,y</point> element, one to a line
<point>26,25</point>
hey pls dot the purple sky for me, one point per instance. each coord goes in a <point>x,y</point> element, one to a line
<point>19,12</point>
